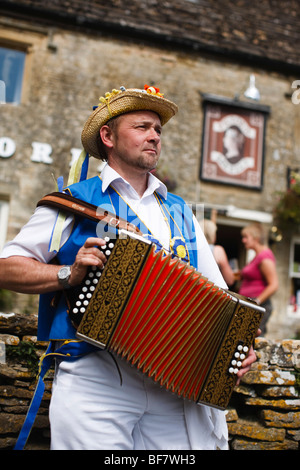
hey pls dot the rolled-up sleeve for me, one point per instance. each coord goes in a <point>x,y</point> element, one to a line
<point>34,238</point>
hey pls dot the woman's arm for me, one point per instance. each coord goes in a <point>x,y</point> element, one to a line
<point>268,270</point>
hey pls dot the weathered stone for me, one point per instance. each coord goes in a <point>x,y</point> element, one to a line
<point>11,391</point>
<point>281,420</point>
<point>290,392</point>
<point>18,323</point>
<point>10,423</point>
<point>263,349</point>
<point>231,415</point>
<point>7,442</point>
<point>240,444</point>
<point>292,347</point>
<point>245,390</point>
<point>254,431</point>
<point>11,340</point>
<point>267,377</point>
<point>293,434</point>
<point>14,372</point>
<point>285,352</point>
<point>287,404</point>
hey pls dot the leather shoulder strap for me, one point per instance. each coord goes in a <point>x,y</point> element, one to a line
<point>71,204</point>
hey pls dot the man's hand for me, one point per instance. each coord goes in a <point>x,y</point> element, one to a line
<point>88,255</point>
<point>247,363</point>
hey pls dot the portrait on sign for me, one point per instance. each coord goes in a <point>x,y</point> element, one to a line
<point>233,145</point>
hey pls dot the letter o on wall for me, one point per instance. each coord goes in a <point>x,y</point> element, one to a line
<point>7,147</point>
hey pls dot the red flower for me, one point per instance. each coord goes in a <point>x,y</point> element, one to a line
<point>152,90</point>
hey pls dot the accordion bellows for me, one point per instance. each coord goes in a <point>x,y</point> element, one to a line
<point>169,321</point>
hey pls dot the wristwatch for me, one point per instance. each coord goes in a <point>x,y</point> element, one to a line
<point>63,276</point>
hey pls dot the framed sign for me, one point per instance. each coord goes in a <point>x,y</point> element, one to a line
<point>233,142</point>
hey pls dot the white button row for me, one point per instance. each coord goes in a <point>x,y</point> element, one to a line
<point>91,281</point>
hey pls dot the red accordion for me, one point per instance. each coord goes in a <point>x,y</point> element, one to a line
<point>169,321</point>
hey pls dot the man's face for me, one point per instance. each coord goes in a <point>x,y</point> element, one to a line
<point>136,140</point>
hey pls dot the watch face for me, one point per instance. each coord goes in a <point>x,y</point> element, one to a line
<point>64,272</point>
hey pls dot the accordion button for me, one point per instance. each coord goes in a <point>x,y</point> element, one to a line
<point>92,288</point>
<point>88,295</point>
<point>84,289</point>
<point>82,310</point>
<point>78,303</point>
<point>111,245</point>
<point>245,349</point>
<point>81,296</point>
<point>85,302</point>
<point>240,347</point>
<point>108,252</point>
<point>231,370</point>
<point>239,364</point>
<point>107,239</point>
<point>87,282</point>
<point>233,362</point>
<point>75,310</point>
<point>95,281</point>
<point>242,356</point>
<point>237,355</point>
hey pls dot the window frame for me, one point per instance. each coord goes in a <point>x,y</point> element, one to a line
<point>21,78</point>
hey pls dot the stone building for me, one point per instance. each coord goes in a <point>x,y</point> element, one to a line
<point>201,54</point>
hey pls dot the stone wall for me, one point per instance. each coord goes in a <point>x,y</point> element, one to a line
<point>265,408</point>
<point>264,412</point>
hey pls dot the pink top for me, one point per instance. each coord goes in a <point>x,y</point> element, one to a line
<point>253,282</point>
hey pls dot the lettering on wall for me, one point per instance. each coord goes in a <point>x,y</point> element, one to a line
<point>41,151</point>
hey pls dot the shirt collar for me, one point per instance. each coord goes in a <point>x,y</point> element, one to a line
<point>110,176</point>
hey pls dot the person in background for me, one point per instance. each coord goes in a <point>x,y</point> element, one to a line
<point>210,232</point>
<point>259,277</point>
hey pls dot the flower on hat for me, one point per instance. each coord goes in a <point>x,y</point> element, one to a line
<point>153,90</point>
<point>108,96</point>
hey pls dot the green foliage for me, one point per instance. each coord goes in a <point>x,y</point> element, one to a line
<point>6,299</point>
<point>25,353</point>
<point>287,210</point>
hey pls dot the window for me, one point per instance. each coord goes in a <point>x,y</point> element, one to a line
<point>11,75</point>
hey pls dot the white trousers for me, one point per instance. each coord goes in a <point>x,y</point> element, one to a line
<point>92,410</point>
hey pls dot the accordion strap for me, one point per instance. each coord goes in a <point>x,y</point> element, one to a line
<point>81,208</point>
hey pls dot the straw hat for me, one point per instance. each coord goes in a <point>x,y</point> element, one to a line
<point>120,102</point>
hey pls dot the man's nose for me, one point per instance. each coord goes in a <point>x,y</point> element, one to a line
<point>153,135</point>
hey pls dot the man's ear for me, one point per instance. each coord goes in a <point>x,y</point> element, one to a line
<point>106,136</point>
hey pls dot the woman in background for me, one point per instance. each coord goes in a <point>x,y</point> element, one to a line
<point>210,231</point>
<point>259,277</point>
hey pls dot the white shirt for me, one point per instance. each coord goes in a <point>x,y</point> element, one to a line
<point>34,238</point>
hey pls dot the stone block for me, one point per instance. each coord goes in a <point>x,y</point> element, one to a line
<point>269,377</point>
<point>276,419</point>
<point>240,444</point>
<point>255,431</point>
<point>286,404</point>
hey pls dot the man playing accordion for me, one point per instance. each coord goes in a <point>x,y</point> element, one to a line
<point>99,401</point>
